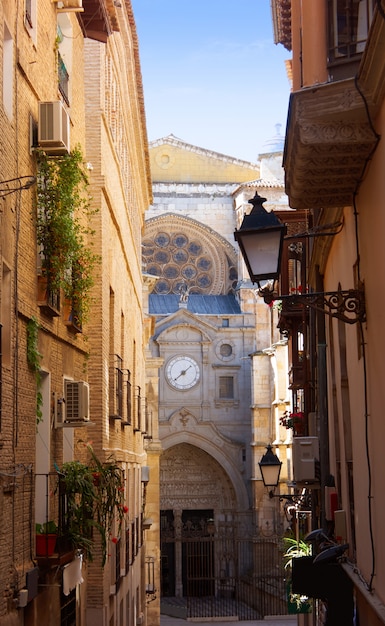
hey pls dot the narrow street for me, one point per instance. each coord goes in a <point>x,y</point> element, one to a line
<point>287,620</point>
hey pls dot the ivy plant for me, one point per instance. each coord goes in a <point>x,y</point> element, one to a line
<point>34,360</point>
<point>63,232</point>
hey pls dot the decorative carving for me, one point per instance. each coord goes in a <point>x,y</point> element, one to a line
<point>191,257</point>
<point>326,155</point>
<point>192,479</point>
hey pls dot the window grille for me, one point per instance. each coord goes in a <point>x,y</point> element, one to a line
<point>226,387</point>
<point>129,397</point>
<point>349,23</point>
<point>63,78</point>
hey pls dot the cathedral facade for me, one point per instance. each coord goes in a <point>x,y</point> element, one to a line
<point>210,330</point>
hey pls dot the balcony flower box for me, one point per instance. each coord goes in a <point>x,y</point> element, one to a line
<point>46,536</point>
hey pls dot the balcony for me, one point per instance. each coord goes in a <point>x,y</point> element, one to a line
<point>99,19</point>
<point>50,511</point>
<point>330,133</point>
<point>48,300</point>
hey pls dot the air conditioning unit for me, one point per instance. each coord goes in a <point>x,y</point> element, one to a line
<point>77,401</point>
<point>54,128</point>
<point>68,4</point>
<point>306,459</point>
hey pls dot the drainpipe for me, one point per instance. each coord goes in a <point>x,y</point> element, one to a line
<point>322,403</point>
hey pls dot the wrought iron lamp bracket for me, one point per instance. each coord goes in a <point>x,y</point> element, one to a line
<point>347,306</point>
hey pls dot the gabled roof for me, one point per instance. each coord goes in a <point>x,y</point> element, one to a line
<point>171,140</point>
<point>176,161</point>
<point>197,303</point>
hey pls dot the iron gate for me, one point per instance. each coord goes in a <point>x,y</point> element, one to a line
<point>224,575</point>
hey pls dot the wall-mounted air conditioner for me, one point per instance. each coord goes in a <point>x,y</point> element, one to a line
<point>76,401</point>
<point>69,4</point>
<point>306,459</point>
<point>53,128</point>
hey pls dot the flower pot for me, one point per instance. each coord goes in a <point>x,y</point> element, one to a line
<point>45,544</point>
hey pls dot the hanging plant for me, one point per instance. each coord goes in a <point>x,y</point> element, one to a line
<point>63,234</point>
<point>94,500</point>
<point>33,360</point>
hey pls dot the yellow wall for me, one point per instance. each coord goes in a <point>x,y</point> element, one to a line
<point>174,161</point>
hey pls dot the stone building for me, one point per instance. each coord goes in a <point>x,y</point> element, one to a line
<point>213,337</point>
<point>71,84</point>
<point>334,162</point>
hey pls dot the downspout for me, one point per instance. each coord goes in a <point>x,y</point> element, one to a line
<point>322,402</point>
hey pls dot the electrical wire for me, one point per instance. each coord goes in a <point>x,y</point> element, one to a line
<point>24,182</point>
<point>362,337</point>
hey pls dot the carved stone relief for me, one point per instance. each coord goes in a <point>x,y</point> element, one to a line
<point>191,479</point>
<point>183,252</point>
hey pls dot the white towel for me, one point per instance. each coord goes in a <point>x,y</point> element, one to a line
<point>72,575</point>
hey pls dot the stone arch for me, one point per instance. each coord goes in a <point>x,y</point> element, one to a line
<point>183,251</point>
<point>184,447</point>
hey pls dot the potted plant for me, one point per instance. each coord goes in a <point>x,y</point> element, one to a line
<point>46,536</point>
<point>94,493</point>
<point>62,215</point>
<point>296,549</point>
<point>295,421</point>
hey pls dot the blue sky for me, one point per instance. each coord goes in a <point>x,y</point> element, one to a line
<point>212,75</point>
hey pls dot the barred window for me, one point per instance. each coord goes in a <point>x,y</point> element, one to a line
<point>226,387</point>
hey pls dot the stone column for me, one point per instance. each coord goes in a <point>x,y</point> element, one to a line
<point>178,553</point>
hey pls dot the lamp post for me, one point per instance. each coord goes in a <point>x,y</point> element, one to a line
<point>260,239</point>
<point>270,467</point>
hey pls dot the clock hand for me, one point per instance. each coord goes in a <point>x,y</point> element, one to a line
<point>183,372</point>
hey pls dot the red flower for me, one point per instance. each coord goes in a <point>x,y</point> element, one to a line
<point>114,540</point>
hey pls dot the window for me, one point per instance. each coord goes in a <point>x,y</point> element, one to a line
<point>8,73</point>
<point>226,349</point>
<point>64,56</point>
<point>116,403</point>
<point>5,315</point>
<point>63,78</point>
<point>28,13</point>
<point>226,387</point>
<point>119,387</point>
<point>349,22</point>
<point>129,398</point>
<point>138,410</point>
<point>30,18</point>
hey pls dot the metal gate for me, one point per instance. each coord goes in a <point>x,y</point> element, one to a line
<point>225,575</point>
<point>240,578</point>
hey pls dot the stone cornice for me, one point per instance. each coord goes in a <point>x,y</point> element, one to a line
<point>329,139</point>
<point>171,140</point>
<point>331,133</point>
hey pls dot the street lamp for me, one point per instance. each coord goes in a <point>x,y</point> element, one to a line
<point>270,467</point>
<point>260,239</point>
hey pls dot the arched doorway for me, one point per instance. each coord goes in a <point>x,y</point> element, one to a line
<point>213,564</point>
<point>196,496</point>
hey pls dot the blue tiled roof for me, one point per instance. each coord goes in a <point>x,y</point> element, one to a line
<point>203,305</point>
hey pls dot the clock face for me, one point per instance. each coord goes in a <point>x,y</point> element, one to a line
<point>182,372</point>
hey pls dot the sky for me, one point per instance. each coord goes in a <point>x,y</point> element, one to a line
<point>212,75</point>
